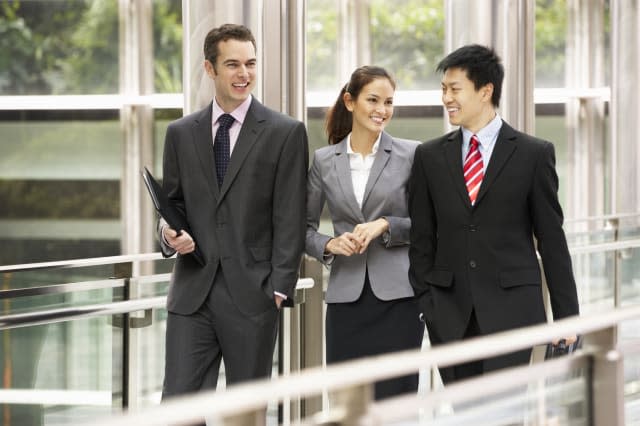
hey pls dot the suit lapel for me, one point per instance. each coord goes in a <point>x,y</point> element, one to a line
<point>343,171</point>
<point>203,140</point>
<point>504,148</point>
<point>381,160</point>
<point>252,127</point>
<point>453,153</point>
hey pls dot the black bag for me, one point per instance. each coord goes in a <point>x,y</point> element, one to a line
<point>561,348</point>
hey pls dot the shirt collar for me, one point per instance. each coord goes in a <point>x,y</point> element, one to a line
<point>486,135</point>
<point>374,149</point>
<point>238,114</point>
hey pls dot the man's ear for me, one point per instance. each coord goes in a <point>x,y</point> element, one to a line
<point>487,91</point>
<point>209,68</point>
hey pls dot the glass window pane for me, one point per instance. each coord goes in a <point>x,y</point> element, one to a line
<point>551,41</point>
<point>322,44</point>
<point>407,38</point>
<point>167,46</point>
<point>61,47</point>
<point>59,186</point>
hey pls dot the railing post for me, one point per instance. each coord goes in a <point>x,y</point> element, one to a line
<point>289,354</point>
<point>350,404</point>
<point>252,418</point>
<point>614,223</point>
<point>312,326</point>
<point>121,364</point>
<point>607,380</point>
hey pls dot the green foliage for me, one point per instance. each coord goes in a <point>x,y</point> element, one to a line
<point>551,41</point>
<point>59,199</point>
<point>91,63</point>
<point>167,44</point>
<point>322,45</point>
<point>407,38</point>
<point>72,47</point>
<point>33,38</point>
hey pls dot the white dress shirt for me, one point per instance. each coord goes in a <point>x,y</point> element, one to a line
<point>361,168</point>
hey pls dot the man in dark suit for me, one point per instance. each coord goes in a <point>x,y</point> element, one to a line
<point>248,223</point>
<point>478,197</point>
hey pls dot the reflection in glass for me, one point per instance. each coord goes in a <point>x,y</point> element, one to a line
<point>560,400</point>
<point>62,359</point>
<point>60,186</point>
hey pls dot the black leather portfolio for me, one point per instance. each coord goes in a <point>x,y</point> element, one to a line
<point>167,209</point>
<point>561,348</point>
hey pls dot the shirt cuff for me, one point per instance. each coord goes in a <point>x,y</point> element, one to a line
<point>164,240</point>
<point>277,293</point>
<point>328,258</point>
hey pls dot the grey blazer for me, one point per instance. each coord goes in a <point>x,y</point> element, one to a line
<point>387,258</point>
<point>253,226</point>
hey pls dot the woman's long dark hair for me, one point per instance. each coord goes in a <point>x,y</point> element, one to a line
<point>339,118</point>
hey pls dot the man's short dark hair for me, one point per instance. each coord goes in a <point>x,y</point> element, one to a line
<point>223,33</point>
<point>481,64</point>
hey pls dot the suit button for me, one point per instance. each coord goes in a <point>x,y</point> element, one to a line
<point>473,264</point>
<point>473,228</point>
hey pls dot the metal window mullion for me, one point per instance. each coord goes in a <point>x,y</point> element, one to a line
<point>136,79</point>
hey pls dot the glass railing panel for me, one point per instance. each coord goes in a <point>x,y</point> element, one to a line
<point>604,229</point>
<point>629,275</point>
<point>149,374</point>
<point>595,277</point>
<point>48,291</point>
<point>629,227</point>
<point>55,288</point>
<point>632,383</point>
<point>73,369</point>
<point>577,238</point>
<point>561,400</point>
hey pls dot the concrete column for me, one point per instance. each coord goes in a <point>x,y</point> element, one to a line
<point>136,78</point>
<point>585,112</point>
<point>625,106</point>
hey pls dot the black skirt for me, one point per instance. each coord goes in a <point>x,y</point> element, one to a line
<point>370,326</point>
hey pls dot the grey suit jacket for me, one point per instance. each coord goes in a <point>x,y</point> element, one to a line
<point>253,226</point>
<point>385,195</point>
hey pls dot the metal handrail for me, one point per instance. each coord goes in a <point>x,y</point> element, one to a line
<point>90,285</point>
<point>61,288</point>
<point>360,372</point>
<point>602,217</point>
<point>492,383</point>
<point>87,311</point>
<point>51,316</point>
<point>79,263</point>
<point>158,255</point>
<point>602,247</point>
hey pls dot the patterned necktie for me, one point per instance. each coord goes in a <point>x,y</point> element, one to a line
<point>222,146</point>
<point>472,169</point>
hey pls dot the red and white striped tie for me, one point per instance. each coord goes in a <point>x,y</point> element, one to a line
<point>472,169</point>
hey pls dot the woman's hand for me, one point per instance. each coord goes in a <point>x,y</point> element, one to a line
<point>344,245</point>
<point>367,232</point>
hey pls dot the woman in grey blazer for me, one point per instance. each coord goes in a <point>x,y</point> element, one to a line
<point>362,176</point>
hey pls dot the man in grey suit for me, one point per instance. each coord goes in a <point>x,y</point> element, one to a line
<point>237,170</point>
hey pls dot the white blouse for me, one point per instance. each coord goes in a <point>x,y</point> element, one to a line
<point>361,167</point>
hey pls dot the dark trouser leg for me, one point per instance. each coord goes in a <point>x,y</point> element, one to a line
<point>479,367</point>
